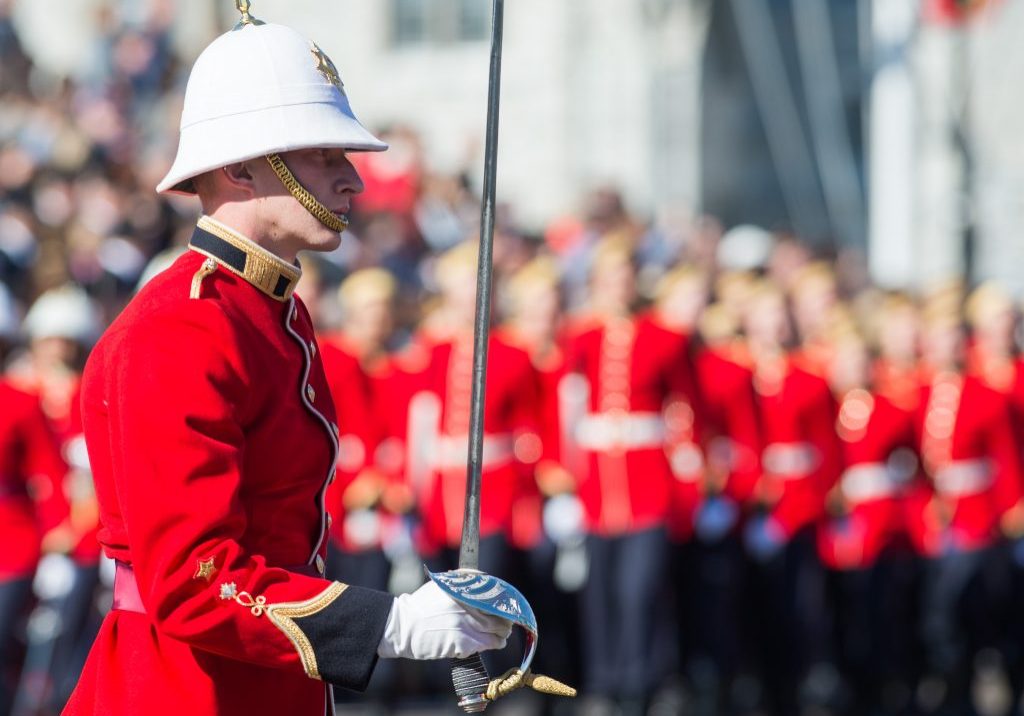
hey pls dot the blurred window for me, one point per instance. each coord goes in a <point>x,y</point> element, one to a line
<point>439,22</point>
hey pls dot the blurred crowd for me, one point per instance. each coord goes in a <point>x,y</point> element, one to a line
<point>730,475</point>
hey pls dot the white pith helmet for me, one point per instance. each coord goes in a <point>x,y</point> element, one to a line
<point>65,312</point>
<point>258,90</point>
<point>745,248</point>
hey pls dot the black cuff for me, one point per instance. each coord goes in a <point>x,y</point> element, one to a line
<point>345,635</point>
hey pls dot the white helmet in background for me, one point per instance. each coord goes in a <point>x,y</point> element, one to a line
<point>65,312</point>
<point>745,248</point>
<point>256,91</point>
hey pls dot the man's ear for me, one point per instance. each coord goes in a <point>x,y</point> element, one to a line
<point>238,176</point>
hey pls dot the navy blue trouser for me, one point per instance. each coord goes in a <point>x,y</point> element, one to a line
<point>14,596</point>
<point>623,607</point>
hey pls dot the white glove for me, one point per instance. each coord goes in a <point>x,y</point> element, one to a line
<point>428,624</point>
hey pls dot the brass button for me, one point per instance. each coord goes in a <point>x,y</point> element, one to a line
<point>295,313</point>
<point>310,393</point>
<point>330,521</point>
<point>312,349</point>
<point>319,564</point>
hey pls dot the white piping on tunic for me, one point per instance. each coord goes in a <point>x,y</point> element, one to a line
<point>321,501</point>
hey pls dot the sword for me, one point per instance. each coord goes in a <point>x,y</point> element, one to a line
<point>468,584</point>
<point>469,676</point>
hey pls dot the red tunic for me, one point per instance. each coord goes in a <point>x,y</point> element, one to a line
<point>632,367</point>
<point>358,399</point>
<point>63,410</point>
<point>548,449</point>
<point>879,461</point>
<point>970,455</point>
<point>211,434</point>
<point>439,433</point>
<point>31,482</point>
<point>800,457</point>
<point>734,446</point>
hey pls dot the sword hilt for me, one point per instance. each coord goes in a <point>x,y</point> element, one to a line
<point>469,676</point>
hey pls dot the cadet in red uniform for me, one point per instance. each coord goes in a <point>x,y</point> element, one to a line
<point>440,412</point>
<point>994,358</point>
<point>973,464</point>
<point>547,521</point>
<point>726,381</point>
<point>31,504</point>
<point>632,365</point>
<point>710,578</point>
<point>681,295</point>
<point>62,325</point>
<point>211,429</point>
<point>857,540</point>
<point>535,325</point>
<point>356,363</point>
<point>799,463</point>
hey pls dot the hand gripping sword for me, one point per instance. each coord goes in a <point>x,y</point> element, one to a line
<point>467,584</point>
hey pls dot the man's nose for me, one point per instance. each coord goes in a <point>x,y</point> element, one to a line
<point>349,180</point>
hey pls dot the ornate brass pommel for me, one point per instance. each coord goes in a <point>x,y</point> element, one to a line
<point>243,6</point>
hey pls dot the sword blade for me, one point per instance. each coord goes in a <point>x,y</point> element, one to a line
<point>469,550</point>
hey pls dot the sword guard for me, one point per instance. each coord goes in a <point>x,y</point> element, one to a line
<point>490,595</point>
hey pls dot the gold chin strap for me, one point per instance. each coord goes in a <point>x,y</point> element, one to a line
<point>326,217</point>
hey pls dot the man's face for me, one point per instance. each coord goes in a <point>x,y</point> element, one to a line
<point>767,320</point>
<point>613,285</point>
<point>458,288</point>
<point>327,174</point>
<point>371,319</point>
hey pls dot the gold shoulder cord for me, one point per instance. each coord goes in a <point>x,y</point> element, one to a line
<point>310,202</point>
<point>208,267</point>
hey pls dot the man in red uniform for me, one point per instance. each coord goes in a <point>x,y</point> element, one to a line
<point>799,465</point>
<point>858,542</point>
<point>439,423</point>
<point>994,357</point>
<point>31,504</point>
<point>62,326</point>
<point>632,365</point>
<point>708,493</point>
<point>356,362</point>
<point>547,521</point>
<point>973,464</point>
<point>211,429</point>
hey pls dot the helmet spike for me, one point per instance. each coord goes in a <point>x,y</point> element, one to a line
<point>243,6</point>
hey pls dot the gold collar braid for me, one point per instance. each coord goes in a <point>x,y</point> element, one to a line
<point>263,269</point>
<point>326,217</point>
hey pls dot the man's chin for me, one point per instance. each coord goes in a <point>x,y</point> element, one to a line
<point>325,241</point>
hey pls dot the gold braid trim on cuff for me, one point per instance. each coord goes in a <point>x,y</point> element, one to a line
<point>324,215</point>
<point>515,679</point>
<point>283,616</point>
